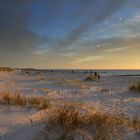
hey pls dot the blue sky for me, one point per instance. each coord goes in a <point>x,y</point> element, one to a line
<point>70,33</point>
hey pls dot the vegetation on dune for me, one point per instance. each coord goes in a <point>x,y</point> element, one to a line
<point>90,78</point>
<point>73,121</point>
<point>94,77</point>
<point>17,99</point>
<point>5,69</point>
<point>134,122</point>
<point>76,122</point>
<point>135,87</point>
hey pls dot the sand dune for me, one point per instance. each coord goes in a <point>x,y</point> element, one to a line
<point>106,94</point>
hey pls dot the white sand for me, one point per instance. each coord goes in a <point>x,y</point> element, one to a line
<point>17,123</point>
<point>109,92</point>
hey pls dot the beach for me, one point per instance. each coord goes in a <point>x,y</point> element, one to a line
<point>110,94</point>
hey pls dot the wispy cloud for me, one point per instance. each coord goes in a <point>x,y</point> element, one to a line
<point>88,59</point>
<point>118,49</point>
<point>30,31</point>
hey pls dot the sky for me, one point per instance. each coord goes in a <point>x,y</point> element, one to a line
<point>71,34</point>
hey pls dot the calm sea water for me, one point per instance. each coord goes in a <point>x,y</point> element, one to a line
<point>120,72</point>
<point>102,72</point>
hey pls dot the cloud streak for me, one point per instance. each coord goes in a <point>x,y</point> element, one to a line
<point>88,59</point>
<point>118,49</point>
<point>28,31</point>
<point>93,16</point>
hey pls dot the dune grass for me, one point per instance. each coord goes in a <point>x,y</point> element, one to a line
<point>135,87</point>
<point>17,99</point>
<point>5,69</point>
<point>134,122</point>
<point>90,78</point>
<point>75,122</point>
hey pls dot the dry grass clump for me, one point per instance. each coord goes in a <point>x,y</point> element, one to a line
<point>17,99</point>
<point>38,102</point>
<point>90,78</point>
<point>13,99</point>
<point>134,122</point>
<point>78,123</point>
<point>69,116</point>
<point>5,69</point>
<point>135,87</point>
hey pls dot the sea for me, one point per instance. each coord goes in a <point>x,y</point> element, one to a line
<point>101,71</point>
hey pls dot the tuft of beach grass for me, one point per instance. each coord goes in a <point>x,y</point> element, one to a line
<point>75,122</point>
<point>135,87</point>
<point>18,99</point>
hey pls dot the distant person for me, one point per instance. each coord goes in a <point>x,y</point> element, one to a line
<point>95,75</point>
<point>99,76</point>
<point>72,71</point>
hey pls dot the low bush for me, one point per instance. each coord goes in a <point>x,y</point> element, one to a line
<point>135,87</point>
